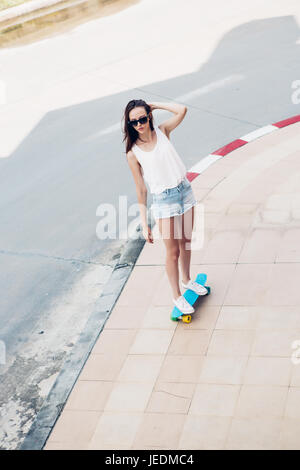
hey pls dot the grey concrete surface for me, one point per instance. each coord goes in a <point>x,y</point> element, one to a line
<point>48,414</point>
<point>62,155</point>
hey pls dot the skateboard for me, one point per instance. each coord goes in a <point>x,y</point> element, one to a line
<point>191,297</point>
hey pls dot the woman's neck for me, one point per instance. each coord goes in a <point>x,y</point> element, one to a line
<point>147,138</point>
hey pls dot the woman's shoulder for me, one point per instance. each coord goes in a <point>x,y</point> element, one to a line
<point>135,152</point>
<point>131,154</point>
<point>161,129</point>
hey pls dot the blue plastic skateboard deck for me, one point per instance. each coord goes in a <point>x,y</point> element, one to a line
<point>191,297</point>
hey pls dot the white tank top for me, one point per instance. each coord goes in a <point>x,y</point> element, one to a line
<point>162,167</point>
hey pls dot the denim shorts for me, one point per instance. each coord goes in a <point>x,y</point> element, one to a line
<point>173,201</point>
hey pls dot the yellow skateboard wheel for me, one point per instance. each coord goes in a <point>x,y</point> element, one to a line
<point>186,318</point>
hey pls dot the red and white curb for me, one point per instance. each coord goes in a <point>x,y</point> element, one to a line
<point>205,162</point>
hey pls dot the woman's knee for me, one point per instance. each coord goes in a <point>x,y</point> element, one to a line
<point>173,252</point>
<point>184,243</point>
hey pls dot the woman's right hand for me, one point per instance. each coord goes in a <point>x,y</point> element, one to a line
<point>147,233</point>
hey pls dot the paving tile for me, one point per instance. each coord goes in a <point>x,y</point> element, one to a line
<point>135,286</point>
<point>239,179</point>
<point>159,429</point>
<point>231,342</point>
<point>171,398</point>
<point>204,432</point>
<point>242,208</point>
<point>289,250</point>
<point>153,254</point>
<point>258,284</point>
<point>289,273</point>
<point>129,317</point>
<point>189,342</point>
<point>292,407</point>
<point>163,294</point>
<point>256,192</point>
<point>140,368</point>
<point>224,247</point>
<point>254,434</point>
<point>268,371</point>
<point>140,273</point>
<point>215,204</point>
<point>75,427</point>
<point>223,370</point>
<point>209,179</point>
<point>211,219</point>
<point>102,367</point>
<point>279,202</point>
<point>199,246</point>
<point>214,400</point>
<point>295,374</point>
<point>129,396</point>
<point>275,217</point>
<point>199,193</point>
<point>140,300</point>
<point>202,240</point>
<point>150,341</point>
<point>241,222</point>
<point>204,317</point>
<point>89,395</point>
<point>109,338</point>
<point>237,317</point>
<point>249,285</point>
<point>227,191</point>
<point>278,317</point>
<point>158,317</point>
<point>181,369</point>
<point>295,215</point>
<point>261,246</point>
<point>274,342</point>
<point>261,400</point>
<point>115,431</point>
<point>290,434</point>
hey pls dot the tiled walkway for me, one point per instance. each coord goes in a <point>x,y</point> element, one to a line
<point>226,380</point>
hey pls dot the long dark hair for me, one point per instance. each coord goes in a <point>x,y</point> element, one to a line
<point>130,134</point>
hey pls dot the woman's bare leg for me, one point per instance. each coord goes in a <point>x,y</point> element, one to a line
<point>187,223</point>
<point>166,228</point>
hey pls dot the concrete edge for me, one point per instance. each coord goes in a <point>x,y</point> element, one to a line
<point>59,393</point>
<point>31,11</point>
<point>28,7</point>
<point>33,15</point>
<point>205,162</point>
<point>55,401</point>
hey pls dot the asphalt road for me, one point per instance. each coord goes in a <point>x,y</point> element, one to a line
<point>63,156</point>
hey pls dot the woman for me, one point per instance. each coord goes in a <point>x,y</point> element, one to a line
<point>151,155</point>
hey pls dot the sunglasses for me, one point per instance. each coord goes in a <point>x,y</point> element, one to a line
<point>142,120</point>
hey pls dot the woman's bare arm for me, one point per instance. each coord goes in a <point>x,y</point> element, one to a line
<point>141,189</point>
<point>179,111</point>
